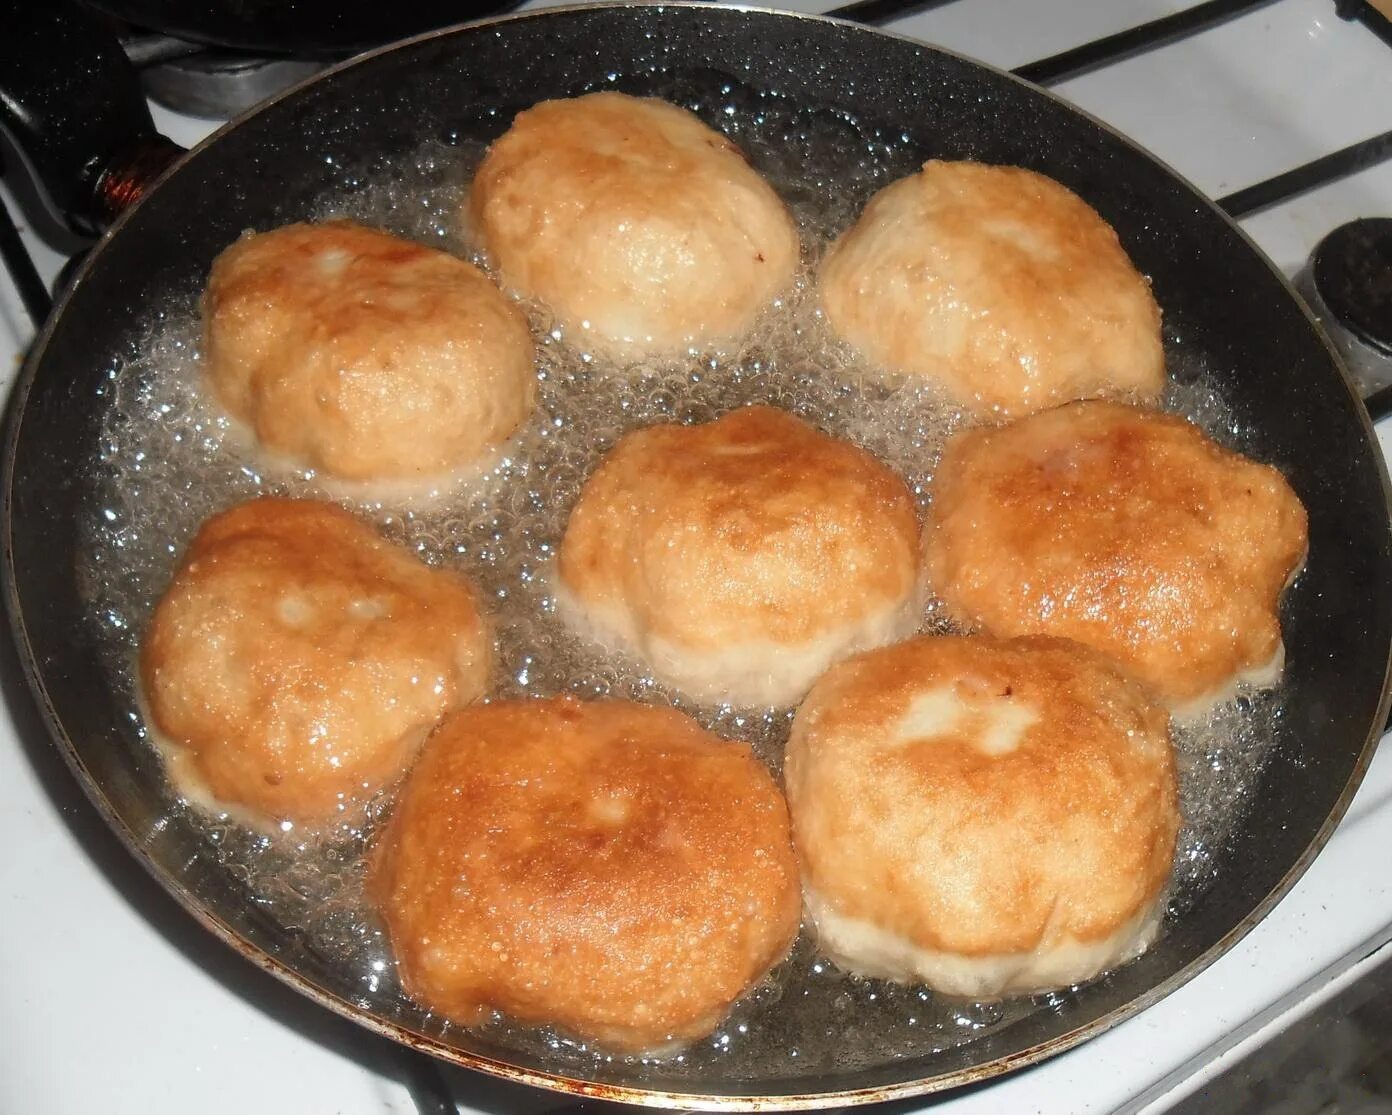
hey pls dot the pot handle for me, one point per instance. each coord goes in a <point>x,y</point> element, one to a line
<point>72,107</point>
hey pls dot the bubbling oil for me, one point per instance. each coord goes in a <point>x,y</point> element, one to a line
<point>168,459</point>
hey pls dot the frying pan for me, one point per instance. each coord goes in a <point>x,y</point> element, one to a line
<point>1225,307</point>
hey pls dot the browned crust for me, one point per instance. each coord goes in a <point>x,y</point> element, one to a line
<point>644,230</point>
<point>609,868</point>
<point>753,527</point>
<point>297,660</point>
<point>1125,529</point>
<point>1065,837</point>
<point>363,355</point>
<point>999,284</point>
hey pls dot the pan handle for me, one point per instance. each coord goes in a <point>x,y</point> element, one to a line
<point>72,108</point>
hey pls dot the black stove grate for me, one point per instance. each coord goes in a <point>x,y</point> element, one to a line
<point>876,12</point>
<point>33,293</point>
<point>1302,179</point>
<point>1118,47</point>
<point>1135,40</point>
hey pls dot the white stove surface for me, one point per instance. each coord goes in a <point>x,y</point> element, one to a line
<point>112,999</point>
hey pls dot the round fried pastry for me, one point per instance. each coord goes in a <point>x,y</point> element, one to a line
<point>645,231</point>
<point>364,356</point>
<point>990,818</point>
<point>998,284</point>
<point>739,558</point>
<point>1125,529</point>
<point>608,868</point>
<point>297,660</point>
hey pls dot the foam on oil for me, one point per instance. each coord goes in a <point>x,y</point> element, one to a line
<point>168,459</point>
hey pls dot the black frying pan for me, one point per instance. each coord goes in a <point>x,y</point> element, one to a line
<point>1225,308</point>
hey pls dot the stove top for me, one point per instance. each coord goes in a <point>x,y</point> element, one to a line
<point>114,999</point>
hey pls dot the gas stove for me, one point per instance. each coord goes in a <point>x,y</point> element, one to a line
<point>115,1000</point>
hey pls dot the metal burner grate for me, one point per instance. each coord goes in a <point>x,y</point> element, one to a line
<point>1133,41</point>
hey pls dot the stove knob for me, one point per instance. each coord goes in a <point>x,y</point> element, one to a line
<point>1348,284</point>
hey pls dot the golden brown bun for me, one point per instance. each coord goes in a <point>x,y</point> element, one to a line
<point>365,356</point>
<point>608,868</point>
<point>643,230</point>
<point>987,817</point>
<point>297,661</point>
<point>741,557</point>
<point>1127,530</point>
<point>1000,285</point>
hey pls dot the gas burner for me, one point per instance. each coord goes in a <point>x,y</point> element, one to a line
<point>217,83</point>
<point>1348,284</point>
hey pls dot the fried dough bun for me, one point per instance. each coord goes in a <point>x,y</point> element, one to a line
<point>363,356</point>
<point>740,558</point>
<point>998,284</point>
<point>1125,529</point>
<point>607,868</point>
<point>297,661</point>
<point>642,229</point>
<point>989,818</point>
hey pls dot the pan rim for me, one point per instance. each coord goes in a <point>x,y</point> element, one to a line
<point>17,408</point>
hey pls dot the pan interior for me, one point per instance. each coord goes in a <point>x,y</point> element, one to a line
<point>154,459</point>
